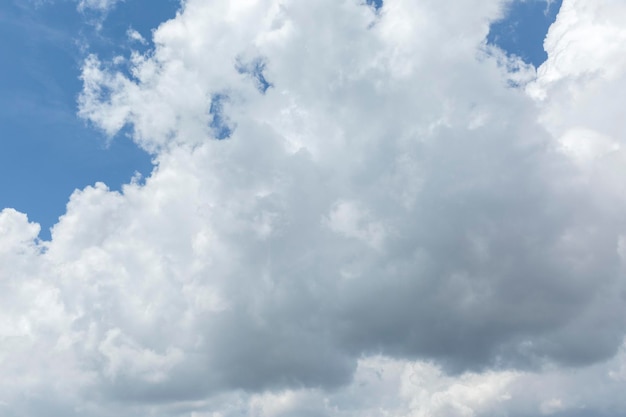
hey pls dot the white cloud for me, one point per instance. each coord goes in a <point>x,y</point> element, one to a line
<point>348,219</point>
<point>97,5</point>
<point>390,229</point>
<point>135,36</point>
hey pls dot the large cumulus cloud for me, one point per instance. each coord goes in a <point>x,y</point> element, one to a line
<point>400,219</point>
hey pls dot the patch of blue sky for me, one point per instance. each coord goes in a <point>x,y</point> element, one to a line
<point>376,3</point>
<point>524,27</point>
<point>255,70</point>
<point>219,125</point>
<point>46,151</point>
<point>143,16</point>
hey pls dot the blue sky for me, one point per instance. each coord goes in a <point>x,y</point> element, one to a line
<point>46,151</point>
<point>523,29</point>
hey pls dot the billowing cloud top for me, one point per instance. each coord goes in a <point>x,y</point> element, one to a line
<point>397,220</point>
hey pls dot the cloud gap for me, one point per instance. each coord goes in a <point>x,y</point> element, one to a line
<point>523,28</point>
<point>378,4</point>
<point>255,70</point>
<point>219,123</point>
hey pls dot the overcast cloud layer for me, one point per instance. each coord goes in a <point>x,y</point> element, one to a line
<point>403,221</point>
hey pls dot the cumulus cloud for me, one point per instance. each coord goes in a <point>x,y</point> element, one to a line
<point>387,226</point>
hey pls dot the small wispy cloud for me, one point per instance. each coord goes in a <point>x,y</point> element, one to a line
<point>135,36</point>
<point>97,5</point>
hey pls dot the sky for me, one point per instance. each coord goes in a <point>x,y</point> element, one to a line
<point>523,27</point>
<point>45,43</point>
<point>47,151</point>
<point>275,208</point>
<point>53,152</point>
